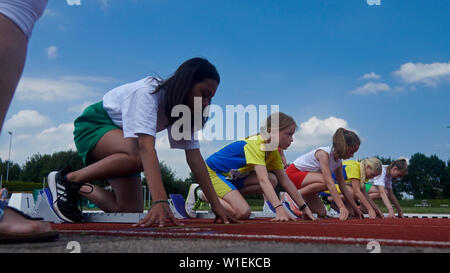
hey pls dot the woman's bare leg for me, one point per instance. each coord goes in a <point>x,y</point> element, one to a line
<point>114,156</point>
<point>13,50</point>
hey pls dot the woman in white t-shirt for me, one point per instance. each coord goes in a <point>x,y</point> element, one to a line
<point>383,185</point>
<point>312,172</point>
<point>116,140</point>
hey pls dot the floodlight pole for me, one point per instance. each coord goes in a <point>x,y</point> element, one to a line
<point>9,155</point>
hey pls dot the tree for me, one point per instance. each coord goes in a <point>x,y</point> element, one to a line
<point>39,166</point>
<point>445,180</point>
<point>385,160</point>
<point>14,170</point>
<point>424,176</point>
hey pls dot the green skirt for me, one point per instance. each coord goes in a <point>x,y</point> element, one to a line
<point>368,186</point>
<point>93,123</point>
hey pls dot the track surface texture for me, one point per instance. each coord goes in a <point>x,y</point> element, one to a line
<point>257,235</point>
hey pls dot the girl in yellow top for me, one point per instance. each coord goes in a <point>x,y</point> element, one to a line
<point>252,166</point>
<point>355,175</point>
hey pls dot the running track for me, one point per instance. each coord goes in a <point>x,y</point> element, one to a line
<point>415,232</point>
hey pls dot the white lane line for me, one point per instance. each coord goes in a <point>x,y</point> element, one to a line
<point>207,233</point>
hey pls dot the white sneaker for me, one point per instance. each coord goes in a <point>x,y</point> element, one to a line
<point>191,199</point>
<point>332,213</point>
<point>290,206</point>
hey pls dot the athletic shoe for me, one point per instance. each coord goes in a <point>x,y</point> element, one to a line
<point>192,200</point>
<point>332,213</point>
<point>290,205</point>
<point>65,196</point>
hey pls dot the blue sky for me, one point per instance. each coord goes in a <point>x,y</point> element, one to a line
<point>381,70</point>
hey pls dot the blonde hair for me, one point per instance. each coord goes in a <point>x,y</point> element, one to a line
<point>374,163</point>
<point>283,120</point>
<point>342,140</point>
<point>277,121</point>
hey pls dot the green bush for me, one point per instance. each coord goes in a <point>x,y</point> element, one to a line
<point>21,186</point>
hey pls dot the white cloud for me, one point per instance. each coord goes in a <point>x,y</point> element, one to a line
<point>371,75</point>
<point>79,108</point>
<point>428,74</point>
<point>47,141</point>
<point>371,88</point>
<point>316,132</point>
<point>26,119</point>
<point>50,13</point>
<point>52,52</point>
<point>56,138</point>
<point>57,89</point>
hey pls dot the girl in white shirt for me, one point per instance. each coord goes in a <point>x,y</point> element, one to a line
<point>116,140</point>
<point>382,188</point>
<point>312,173</point>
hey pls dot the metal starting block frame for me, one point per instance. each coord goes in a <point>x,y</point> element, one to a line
<point>103,217</point>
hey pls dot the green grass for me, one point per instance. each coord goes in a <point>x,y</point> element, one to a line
<point>407,206</point>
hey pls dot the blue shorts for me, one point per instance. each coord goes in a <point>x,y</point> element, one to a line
<point>222,185</point>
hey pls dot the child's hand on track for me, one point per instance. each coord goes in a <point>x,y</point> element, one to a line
<point>372,214</point>
<point>307,214</point>
<point>281,216</point>
<point>158,216</point>
<point>224,217</point>
<point>343,213</point>
<point>391,213</point>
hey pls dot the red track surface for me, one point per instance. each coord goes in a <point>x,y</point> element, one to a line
<point>394,232</point>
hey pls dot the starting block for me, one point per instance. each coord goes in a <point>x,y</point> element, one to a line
<point>44,207</point>
<point>103,217</point>
<point>268,207</point>
<point>22,201</point>
<point>176,203</point>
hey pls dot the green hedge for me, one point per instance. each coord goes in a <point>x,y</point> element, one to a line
<point>20,186</point>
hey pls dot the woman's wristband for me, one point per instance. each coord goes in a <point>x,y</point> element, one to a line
<point>275,208</point>
<point>302,207</point>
